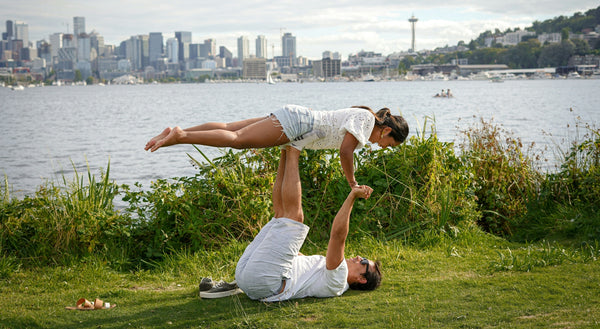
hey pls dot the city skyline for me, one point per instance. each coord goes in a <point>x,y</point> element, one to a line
<point>381,26</point>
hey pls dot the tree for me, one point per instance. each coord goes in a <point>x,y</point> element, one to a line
<point>581,47</point>
<point>556,54</point>
<point>78,76</point>
<point>564,33</point>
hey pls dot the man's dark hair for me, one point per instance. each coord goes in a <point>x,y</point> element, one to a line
<point>373,279</point>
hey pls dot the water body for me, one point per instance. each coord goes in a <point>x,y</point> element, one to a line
<point>45,131</point>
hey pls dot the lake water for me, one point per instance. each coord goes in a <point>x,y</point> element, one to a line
<point>44,130</point>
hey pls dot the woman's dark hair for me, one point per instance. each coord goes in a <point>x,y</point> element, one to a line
<point>373,279</point>
<point>384,118</point>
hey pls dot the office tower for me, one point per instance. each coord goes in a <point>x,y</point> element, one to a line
<point>184,39</point>
<point>226,55</point>
<point>137,51</point>
<point>10,32</point>
<point>22,33</point>
<point>243,49</point>
<point>261,46</point>
<point>195,50</point>
<point>209,48</point>
<point>155,47</point>
<point>288,46</point>
<point>55,44</point>
<point>97,42</point>
<point>173,50</point>
<point>84,47</point>
<point>78,26</point>
<point>413,20</point>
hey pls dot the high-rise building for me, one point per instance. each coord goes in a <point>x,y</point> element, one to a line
<point>56,42</point>
<point>209,48</point>
<point>226,55</point>
<point>22,33</point>
<point>184,39</point>
<point>173,50</point>
<point>84,47</point>
<point>288,46</point>
<point>243,46</point>
<point>78,25</point>
<point>261,46</point>
<point>155,47</point>
<point>10,32</point>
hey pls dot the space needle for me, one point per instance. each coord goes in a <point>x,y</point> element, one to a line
<point>412,21</point>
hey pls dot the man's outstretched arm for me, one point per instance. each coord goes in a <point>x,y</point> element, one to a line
<point>340,227</point>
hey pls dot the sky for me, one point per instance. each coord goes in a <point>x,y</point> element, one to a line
<point>345,26</point>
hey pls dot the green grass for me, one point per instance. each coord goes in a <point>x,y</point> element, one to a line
<point>453,283</point>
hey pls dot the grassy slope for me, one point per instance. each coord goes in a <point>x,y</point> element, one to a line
<point>449,285</point>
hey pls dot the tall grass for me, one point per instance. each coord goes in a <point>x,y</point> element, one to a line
<point>59,222</point>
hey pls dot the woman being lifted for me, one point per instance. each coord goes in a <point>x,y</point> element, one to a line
<point>345,129</point>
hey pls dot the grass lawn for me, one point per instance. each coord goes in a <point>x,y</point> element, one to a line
<point>454,283</point>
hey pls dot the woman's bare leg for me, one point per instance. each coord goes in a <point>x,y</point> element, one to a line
<point>261,133</point>
<point>231,126</point>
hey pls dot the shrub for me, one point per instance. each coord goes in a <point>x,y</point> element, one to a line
<point>503,176</point>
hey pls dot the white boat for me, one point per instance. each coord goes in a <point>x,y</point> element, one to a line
<point>270,78</point>
<point>573,75</point>
<point>17,88</point>
<point>496,78</point>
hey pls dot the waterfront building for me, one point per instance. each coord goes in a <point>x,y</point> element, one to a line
<point>255,68</point>
<point>261,46</point>
<point>243,46</point>
<point>327,67</point>
<point>288,46</point>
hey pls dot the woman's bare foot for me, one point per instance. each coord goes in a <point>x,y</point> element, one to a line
<point>172,138</point>
<point>153,141</point>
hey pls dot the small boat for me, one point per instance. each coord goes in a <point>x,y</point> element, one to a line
<point>17,88</point>
<point>496,79</point>
<point>270,78</point>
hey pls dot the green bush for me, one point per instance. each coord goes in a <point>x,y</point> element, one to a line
<point>503,176</point>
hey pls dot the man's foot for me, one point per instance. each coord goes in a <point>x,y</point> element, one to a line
<point>206,284</point>
<point>160,136</point>
<point>172,138</point>
<point>222,289</point>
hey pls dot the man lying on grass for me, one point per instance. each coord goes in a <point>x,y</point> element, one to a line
<point>272,269</point>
